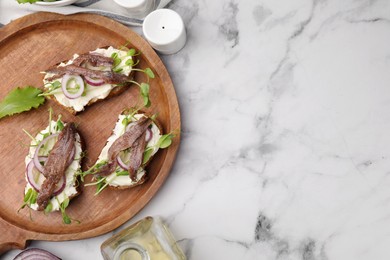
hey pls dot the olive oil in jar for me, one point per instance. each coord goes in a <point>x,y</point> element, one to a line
<point>148,239</point>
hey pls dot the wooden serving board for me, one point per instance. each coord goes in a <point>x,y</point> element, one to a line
<point>30,45</point>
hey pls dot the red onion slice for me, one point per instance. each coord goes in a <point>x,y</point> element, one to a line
<point>94,82</point>
<point>68,79</point>
<point>88,65</point>
<point>119,159</point>
<point>71,156</point>
<point>36,154</point>
<point>60,186</point>
<point>35,178</point>
<point>35,253</point>
<point>129,126</point>
<point>121,163</point>
<point>149,134</point>
<point>37,163</point>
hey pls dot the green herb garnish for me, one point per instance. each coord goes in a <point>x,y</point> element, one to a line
<point>92,170</point>
<point>59,125</point>
<point>65,218</point>
<point>49,207</point>
<point>147,154</point>
<point>20,100</point>
<point>29,198</point>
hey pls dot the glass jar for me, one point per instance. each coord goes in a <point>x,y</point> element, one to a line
<point>148,239</point>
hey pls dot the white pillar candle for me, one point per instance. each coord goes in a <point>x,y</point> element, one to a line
<point>164,30</point>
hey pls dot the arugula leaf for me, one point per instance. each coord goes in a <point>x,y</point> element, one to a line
<point>20,100</point>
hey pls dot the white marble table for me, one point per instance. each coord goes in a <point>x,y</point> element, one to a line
<point>285,150</point>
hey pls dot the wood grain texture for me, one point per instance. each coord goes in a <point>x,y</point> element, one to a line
<point>30,45</point>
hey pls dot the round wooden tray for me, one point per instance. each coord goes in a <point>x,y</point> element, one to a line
<point>30,45</point>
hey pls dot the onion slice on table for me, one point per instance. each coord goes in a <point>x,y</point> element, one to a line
<point>35,253</point>
<point>35,178</point>
<point>76,80</point>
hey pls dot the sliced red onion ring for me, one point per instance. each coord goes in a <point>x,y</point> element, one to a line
<point>130,125</point>
<point>35,178</point>
<point>149,134</point>
<point>71,156</point>
<point>88,65</point>
<point>36,157</point>
<point>122,158</point>
<point>94,82</point>
<point>35,253</point>
<point>121,163</point>
<point>67,80</point>
<point>36,154</point>
<point>60,186</point>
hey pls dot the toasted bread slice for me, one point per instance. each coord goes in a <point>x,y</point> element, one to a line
<point>92,94</point>
<point>120,179</point>
<point>70,188</point>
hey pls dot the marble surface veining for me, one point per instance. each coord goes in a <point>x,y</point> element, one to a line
<point>285,148</point>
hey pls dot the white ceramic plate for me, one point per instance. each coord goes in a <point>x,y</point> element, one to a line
<point>56,3</point>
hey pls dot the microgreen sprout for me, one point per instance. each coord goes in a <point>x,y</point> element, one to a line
<point>91,170</point>
<point>51,88</point>
<point>50,116</point>
<point>65,218</point>
<point>164,142</point>
<point>29,198</point>
<point>48,208</point>
<point>148,71</point>
<point>144,90</point>
<point>101,184</point>
<point>29,135</point>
